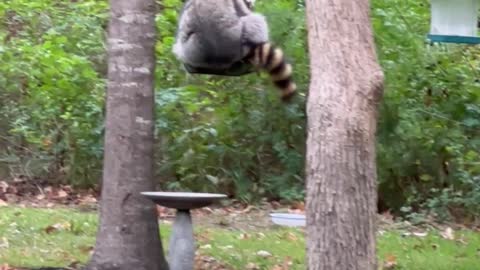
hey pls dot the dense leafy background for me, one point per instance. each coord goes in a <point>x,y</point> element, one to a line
<point>231,134</point>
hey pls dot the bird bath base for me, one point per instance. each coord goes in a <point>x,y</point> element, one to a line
<point>181,254</point>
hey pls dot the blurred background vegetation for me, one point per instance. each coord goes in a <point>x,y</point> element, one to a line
<point>232,135</point>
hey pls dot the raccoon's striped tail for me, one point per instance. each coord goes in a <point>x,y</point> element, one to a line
<point>271,59</point>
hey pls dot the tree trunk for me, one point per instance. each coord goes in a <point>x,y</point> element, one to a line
<point>128,235</point>
<point>345,88</point>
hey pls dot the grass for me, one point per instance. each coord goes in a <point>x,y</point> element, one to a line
<point>29,239</point>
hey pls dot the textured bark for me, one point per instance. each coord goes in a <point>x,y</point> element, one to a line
<point>128,235</point>
<point>345,88</point>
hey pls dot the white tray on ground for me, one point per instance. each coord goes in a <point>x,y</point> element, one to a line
<point>287,219</point>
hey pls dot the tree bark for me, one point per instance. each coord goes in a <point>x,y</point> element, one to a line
<point>345,88</point>
<point>128,236</point>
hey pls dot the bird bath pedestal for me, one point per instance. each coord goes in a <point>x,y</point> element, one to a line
<point>181,254</point>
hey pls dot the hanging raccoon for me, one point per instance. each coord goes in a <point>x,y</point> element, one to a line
<point>225,37</point>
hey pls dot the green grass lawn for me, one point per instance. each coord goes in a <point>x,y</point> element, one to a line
<point>29,239</point>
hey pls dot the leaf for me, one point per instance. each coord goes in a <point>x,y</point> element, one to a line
<point>390,262</point>
<point>226,247</point>
<point>4,243</point>
<point>448,234</point>
<point>88,199</point>
<point>58,227</point>
<point>299,205</point>
<point>264,254</point>
<point>290,236</point>
<point>3,186</point>
<point>243,236</point>
<point>3,203</point>
<point>420,234</point>
<point>86,249</point>
<point>62,194</point>
<point>207,246</point>
<point>252,266</point>
<point>287,262</point>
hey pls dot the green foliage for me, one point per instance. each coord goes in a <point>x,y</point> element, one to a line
<point>51,89</point>
<point>428,141</point>
<point>215,137</point>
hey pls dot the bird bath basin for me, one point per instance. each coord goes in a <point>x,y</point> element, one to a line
<point>183,200</point>
<point>181,254</point>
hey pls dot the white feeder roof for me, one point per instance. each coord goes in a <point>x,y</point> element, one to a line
<point>454,21</point>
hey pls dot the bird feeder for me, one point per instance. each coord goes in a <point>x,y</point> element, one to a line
<point>454,21</point>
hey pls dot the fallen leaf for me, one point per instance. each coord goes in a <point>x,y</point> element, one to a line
<point>275,204</point>
<point>3,203</point>
<point>58,227</point>
<point>50,229</point>
<point>296,211</point>
<point>17,179</point>
<point>48,190</point>
<point>4,243</point>
<point>299,206</point>
<point>252,266</point>
<point>3,186</point>
<point>418,246</point>
<point>246,210</point>
<point>264,254</point>
<point>167,222</point>
<point>287,262</point>
<point>207,246</point>
<point>462,241</point>
<point>86,249</point>
<point>62,194</point>
<point>260,235</point>
<point>292,237</point>
<point>223,222</point>
<point>75,264</point>
<point>390,262</point>
<point>46,142</point>
<point>387,215</point>
<point>243,236</point>
<point>448,234</point>
<point>420,234</point>
<point>208,263</point>
<point>89,199</point>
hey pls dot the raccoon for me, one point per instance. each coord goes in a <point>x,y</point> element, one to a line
<point>225,37</point>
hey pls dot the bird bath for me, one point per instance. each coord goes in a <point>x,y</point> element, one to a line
<point>181,254</point>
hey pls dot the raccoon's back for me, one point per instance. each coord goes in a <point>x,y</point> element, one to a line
<point>220,30</point>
